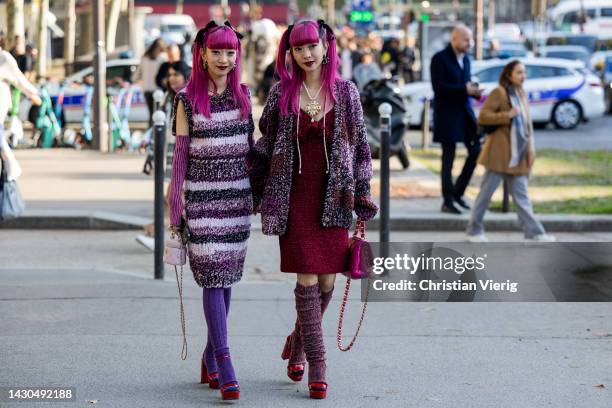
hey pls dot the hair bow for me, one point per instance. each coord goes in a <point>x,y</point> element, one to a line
<point>212,25</point>
<point>323,25</point>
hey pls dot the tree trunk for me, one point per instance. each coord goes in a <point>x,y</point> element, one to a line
<point>42,37</point>
<point>69,35</point>
<point>15,22</point>
<point>113,21</point>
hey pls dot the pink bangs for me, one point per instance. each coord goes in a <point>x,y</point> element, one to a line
<point>222,38</point>
<point>305,33</point>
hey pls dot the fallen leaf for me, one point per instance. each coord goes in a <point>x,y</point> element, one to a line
<point>600,386</point>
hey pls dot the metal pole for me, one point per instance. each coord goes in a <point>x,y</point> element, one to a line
<point>426,119</point>
<point>506,199</point>
<point>478,28</point>
<point>385,130</point>
<point>100,131</point>
<point>159,119</point>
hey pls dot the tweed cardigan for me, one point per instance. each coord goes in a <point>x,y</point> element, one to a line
<point>350,163</point>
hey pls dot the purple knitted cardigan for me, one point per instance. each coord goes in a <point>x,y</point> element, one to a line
<point>350,163</point>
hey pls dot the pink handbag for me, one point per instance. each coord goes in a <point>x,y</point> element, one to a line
<point>175,252</point>
<point>361,260</point>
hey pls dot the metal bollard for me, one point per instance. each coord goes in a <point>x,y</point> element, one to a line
<point>506,199</point>
<point>426,119</point>
<point>159,133</point>
<point>158,97</point>
<point>385,132</point>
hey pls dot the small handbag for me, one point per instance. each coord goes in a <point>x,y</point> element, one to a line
<point>11,202</point>
<point>175,254</point>
<point>360,262</point>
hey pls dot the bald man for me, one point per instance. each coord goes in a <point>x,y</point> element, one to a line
<point>454,119</point>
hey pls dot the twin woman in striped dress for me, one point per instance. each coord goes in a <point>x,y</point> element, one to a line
<point>306,175</point>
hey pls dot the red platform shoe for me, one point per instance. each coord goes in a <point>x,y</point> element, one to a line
<point>230,391</point>
<point>211,379</point>
<point>318,390</point>
<point>294,371</point>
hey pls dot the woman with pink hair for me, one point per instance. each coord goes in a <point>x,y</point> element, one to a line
<point>310,171</point>
<point>214,128</point>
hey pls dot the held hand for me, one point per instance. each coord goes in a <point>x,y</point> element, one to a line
<point>256,209</point>
<point>36,100</point>
<point>469,87</point>
<point>514,112</point>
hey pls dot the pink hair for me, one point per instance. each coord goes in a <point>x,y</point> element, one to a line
<point>219,38</point>
<point>304,32</point>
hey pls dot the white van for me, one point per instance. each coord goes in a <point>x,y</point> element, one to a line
<point>171,27</point>
<point>566,16</point>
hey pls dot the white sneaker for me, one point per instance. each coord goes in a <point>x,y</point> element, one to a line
<point>146,242</point>
<point>543,238</point>
<point>477,238</point>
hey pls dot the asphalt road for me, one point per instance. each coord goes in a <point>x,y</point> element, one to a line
<point>593,135</point>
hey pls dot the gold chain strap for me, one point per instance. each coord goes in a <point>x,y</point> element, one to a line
<point>181,310</point>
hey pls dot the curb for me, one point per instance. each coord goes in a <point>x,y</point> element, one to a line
<point>404,222</point>
<point>76,221</point>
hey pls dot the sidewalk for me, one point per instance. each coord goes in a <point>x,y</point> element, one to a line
<point>65,188</point>
<point>90,317</point>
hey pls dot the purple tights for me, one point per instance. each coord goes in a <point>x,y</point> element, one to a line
<point>216,303</point>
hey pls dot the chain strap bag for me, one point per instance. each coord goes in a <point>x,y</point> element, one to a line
<point>175,254</point>
<point>361,260</point>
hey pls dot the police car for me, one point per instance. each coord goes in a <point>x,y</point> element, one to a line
<point>560,91</point>
<point>73,93</point>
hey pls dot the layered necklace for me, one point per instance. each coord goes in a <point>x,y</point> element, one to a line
<point>313,107</point>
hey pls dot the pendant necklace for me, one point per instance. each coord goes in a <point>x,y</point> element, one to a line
<point>313,107</point>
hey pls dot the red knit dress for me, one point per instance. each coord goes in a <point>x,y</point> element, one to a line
<point>307,246</point>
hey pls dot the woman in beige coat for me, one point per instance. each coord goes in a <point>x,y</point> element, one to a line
<point>508,153</point>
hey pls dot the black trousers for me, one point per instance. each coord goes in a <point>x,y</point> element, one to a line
<point>450,190</point>
<point>150,105</point>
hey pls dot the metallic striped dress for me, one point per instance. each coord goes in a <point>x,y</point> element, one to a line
<point>218,199</point>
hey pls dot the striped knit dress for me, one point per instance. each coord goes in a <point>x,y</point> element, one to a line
<point>218,199</point>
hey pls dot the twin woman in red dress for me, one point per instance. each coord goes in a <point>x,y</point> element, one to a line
<point>306,176</point>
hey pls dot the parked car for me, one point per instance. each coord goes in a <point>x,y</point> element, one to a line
<point>568,52</point>
<point>505,31</point>
<point>74,92</point>
<point>560,91</point>
<point>494,48</point>
<point>170,27</point>
<point>595,15</point>
<point>590,42</point>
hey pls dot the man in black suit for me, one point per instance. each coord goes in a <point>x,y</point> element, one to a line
<point>454,119</point>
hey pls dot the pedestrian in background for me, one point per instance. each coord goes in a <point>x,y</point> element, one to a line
<point>11,75</point>
<point>174,54</point>
<point>508,153</point>
<point>454,119</point>
<point>311,169</point>
<point>214,128</point>
<point>147,71</point>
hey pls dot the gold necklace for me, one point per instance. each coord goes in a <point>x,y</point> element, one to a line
<point>313,107</point>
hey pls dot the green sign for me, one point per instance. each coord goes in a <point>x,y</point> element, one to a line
<point>361,16</point>
<point>425,18</point>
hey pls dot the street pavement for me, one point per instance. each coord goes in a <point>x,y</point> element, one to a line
<point>79,309</point>
<point>592,135</point>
